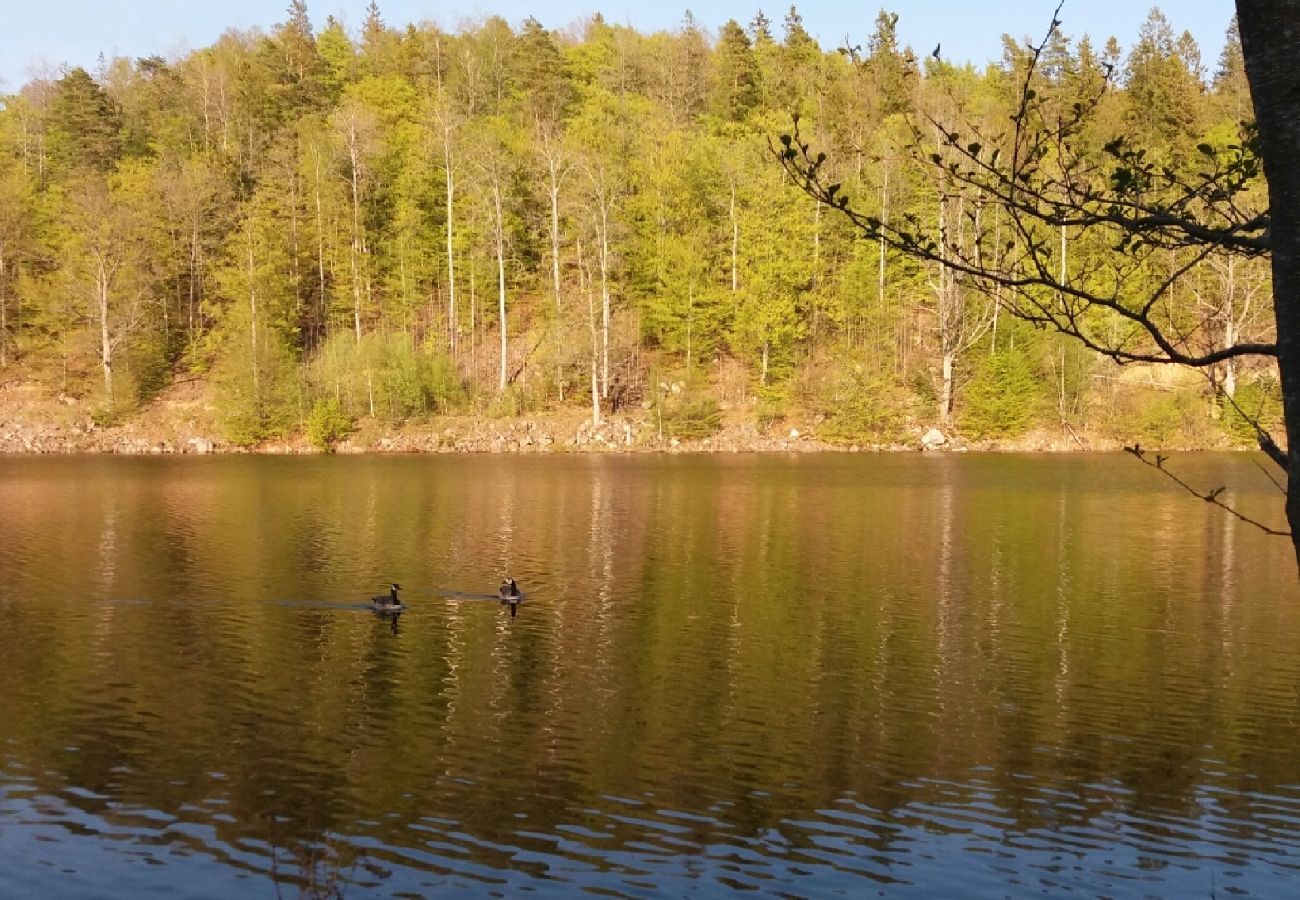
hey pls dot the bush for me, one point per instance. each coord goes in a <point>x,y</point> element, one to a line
<point>390,371</point>
<point>768,413</point>
<point>252,408</point>
<point>1157,419</point>
<point>412,382</point>
<point>1259,400</point>
<point>328,423</point>
<point>1003,398</point>
<point>685,417</point>
<point>864,405</point>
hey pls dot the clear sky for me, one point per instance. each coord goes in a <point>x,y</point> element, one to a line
<point>53,32</point>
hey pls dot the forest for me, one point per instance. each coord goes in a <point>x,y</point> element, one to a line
<point>324,228</point>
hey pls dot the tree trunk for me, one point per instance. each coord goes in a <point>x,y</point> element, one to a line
<point>452,325</point>
<point>553,168</point>
<point>585,285</point>
<point>196,255</point>
<point>252,311</point>
<point>735,241</point>
<point>1271,44</point>
<point>1231,332</point>
<point>102,288</point>
<point>4,316</point>
<point>555,235</point>
<point>604,299</point>
<point>501,279</point>
<point>881,270</point>
<point>946,388</point>
<point>323,312</point>
<point>356,246</point>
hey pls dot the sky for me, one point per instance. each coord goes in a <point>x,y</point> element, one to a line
<point>39,35</point>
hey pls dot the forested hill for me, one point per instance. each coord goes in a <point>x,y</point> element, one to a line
<point>323,227</point>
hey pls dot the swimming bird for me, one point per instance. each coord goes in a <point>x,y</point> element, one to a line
<point>509,593</point>
<point>387,602</point>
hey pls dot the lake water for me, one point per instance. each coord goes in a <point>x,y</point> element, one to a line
<point>839,675</point>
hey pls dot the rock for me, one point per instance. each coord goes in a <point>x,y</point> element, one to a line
<point>794,434</point>
<point>933,439</point>
<point>200,445</point>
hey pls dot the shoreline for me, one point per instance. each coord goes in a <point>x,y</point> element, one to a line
<point>537,435</point>
<point>34,423</point>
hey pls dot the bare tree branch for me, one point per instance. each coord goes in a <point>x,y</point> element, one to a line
<point>1209,497</point>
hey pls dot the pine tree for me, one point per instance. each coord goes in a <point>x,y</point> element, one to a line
<point>734,75</point>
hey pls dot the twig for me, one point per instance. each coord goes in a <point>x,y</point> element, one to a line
<point>1262,436</point>
<point>1269,475</point>
<point>1210,497</point>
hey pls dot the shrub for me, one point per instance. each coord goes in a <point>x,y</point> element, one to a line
<point>1002,399</point>
<point>254,404</point>
<point>390,372</point>
<point>1156,418</point>
<point>686,417</point>
<point>864,405</point>
<point>328,423</point>
<point>513,402</point>
<point>1259,400</point>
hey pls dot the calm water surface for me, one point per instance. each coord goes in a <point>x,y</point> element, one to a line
<point>900,675</point>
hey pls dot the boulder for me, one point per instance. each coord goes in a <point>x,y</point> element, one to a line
<point>933,439</point>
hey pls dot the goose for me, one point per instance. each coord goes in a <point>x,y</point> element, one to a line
<point>387,602</point>
<point>509,593</point>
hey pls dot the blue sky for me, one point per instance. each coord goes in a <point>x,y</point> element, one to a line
<point>52,32</point>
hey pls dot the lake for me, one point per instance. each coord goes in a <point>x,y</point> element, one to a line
<point>819,675</point>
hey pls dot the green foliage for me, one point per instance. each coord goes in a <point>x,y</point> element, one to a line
<point>513,402</point>
<point>769,412</point>
<point>688,415</point>
<point>863,405</point>
<point>272,213</point>
<point>84,125</point>
<point>386,375</point>
<point>1003,398</point>
<point>150,369</point>
<point>1256,403</point>
<point>1157,418</point>
<point>328,424</point>
<point>255,403</point>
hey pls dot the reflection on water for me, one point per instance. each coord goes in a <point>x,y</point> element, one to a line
<point>916,676</point>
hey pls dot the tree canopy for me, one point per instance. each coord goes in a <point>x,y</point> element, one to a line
<point>404,221</point>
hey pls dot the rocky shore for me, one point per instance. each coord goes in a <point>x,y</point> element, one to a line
<point>545,434</point>
<point>181,422</point>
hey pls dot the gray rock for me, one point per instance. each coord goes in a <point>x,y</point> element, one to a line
<point>933,439</point>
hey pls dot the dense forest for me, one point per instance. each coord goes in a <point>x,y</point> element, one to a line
<point>324,227</point>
